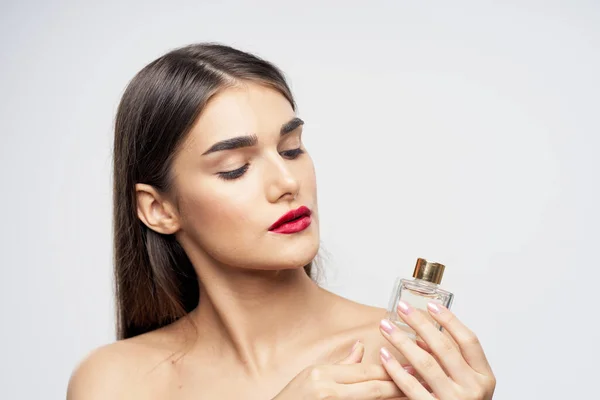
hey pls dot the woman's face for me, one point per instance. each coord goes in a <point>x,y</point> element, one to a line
<point>229,196</point>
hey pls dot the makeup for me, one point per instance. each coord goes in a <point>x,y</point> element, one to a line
<point>293,221</point>
<point>422,289</point>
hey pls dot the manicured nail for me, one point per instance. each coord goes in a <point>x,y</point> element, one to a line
<point>385,355</point>
<point>404,308</point>
<point>386,326</point>
<point>434,308</point>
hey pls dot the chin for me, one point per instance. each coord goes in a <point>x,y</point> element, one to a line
<point>291,257</point>
<point>292,261</point>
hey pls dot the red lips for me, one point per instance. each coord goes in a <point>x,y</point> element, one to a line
<point>292,221</point>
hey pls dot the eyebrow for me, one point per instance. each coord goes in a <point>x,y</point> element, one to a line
<point>251,140</point>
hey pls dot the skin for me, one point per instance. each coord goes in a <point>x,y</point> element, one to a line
<point>263,329</point>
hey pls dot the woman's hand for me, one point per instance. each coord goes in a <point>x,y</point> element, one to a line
<point>347,379</point>
<point>451,372</point>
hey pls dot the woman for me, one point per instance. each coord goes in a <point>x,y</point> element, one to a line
<point>216,227</point>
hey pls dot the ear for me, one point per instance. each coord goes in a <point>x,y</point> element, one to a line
<point>155,211</point>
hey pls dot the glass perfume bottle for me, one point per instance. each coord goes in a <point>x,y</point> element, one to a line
<point>422,289</point>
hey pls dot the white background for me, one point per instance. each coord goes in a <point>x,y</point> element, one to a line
<point>462,132</point>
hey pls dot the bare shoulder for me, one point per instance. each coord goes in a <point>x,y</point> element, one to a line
<point>101,374</point>
<point>131,368</point>
<point>358,316</point>
<point>364,326</point>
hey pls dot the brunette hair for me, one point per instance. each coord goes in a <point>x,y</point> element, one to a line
<point>155,282</point>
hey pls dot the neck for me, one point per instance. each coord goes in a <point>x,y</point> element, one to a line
<point>253,313</point>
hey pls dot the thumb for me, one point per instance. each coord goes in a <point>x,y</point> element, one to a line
<point>355,356</point>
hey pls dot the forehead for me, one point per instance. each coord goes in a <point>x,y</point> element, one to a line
<point>247,108</point>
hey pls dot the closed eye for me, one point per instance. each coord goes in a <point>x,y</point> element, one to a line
<point>236,173</point>
<point>291,154</point>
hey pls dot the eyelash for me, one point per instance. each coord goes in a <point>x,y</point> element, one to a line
<point>237,173</point>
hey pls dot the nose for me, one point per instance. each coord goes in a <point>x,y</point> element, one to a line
<point>280,180</point>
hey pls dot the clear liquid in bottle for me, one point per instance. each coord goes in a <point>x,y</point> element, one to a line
<point>418,292</point>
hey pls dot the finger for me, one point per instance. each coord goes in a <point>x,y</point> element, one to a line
<point>355,356</point>
<point>467,341</point>
<point>407,383</point>
<point>423,345</point>
<point>370,390</point>
<point>353,373</point>
<point>441,346</point>
<point>424,363</point>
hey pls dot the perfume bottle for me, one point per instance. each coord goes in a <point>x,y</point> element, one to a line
<point>422,289</point>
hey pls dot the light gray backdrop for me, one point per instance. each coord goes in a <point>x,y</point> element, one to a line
<point>463,132</point>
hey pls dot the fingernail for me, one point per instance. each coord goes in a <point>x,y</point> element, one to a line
<point>404,308</point>
<point>434,308</point>
<point>385,355</point>
<point>355,346</point>
<point>386,326</point>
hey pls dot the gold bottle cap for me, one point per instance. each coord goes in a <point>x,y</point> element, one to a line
<point>429,271</point>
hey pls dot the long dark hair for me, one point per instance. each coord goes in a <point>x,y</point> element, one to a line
<point>155,282</point>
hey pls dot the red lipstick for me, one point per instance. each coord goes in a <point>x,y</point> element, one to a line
<point>293,221</point>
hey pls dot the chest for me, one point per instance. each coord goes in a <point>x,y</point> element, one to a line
<point>214,383</point>
<point>210,377</point>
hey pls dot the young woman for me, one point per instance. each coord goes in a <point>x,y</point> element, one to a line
<point>216,227</point>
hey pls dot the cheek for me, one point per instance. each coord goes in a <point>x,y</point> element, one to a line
<point>216,213</point>
<point>221,217</point>
<point>309,181</point>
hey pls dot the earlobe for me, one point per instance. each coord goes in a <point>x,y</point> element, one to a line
<point>155,211</point>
